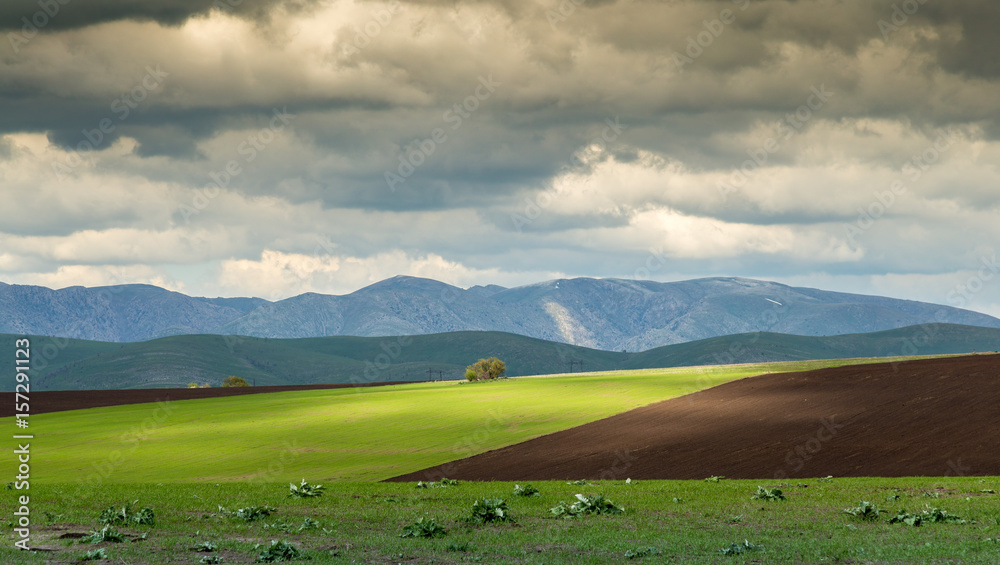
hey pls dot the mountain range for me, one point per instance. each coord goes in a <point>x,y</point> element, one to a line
<point>607,314</point>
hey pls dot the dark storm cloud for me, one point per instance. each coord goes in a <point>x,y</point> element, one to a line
<point>58,15</point>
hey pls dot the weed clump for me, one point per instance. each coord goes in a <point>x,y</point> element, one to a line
<point>929,515</point>
<point>95,555</point>
<point>740,548</point>
<point>444,482</point>
<point>127,516</point>
<point>278,551</point>
<point>490,510</point>
<point>106,534</point>
<point>641,552</point>
<point>595,504</point>
<point>768,494</point>
<point>304,490</point>
<point>526,490</point>
<point>424,529</point>
<point>864,511</point>
<point>250,513</point>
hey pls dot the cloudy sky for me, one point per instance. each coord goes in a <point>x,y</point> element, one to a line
<point>273,147</point>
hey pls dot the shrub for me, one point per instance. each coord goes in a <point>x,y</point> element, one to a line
<point>596,504</point>
<point>864,511</point>
<point>106,534</point>
<point>278,551</point>
<point>424,529</point>
<point>486,370</point>
<point>305,490</point>
<point>768,494</point>
<point>127,516</point>
<point>488,510</point>
<point>233,380</point>
<point>526,490</point>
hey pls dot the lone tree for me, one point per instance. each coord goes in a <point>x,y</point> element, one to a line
<point>486,370</point>
<point>234,381</point>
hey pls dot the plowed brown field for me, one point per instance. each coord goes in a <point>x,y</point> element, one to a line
<point>932,417</point>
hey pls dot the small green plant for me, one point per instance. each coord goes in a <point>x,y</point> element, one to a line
<point>210,559</point>
<point>736,519</point>
<point>930,515</point>
<point>106,534</point>
<point>95,555</point>
<point>526,490</point>
<point>127,516</point>
<point>739,548</point>
<point>595,504</point>
<point>463,547</point>
<point>52,517</point>
<point>424,529</point>
<point>864,511</point>
<point>930,494</point>
<point>444,482</point>
<point>204,547</point>
<point>309,524</point>
<point>489,510</point>
<point>934,515</point>
<point>278,551</point>
<point>715,478</point>
<point>641,552</point>
<point>304,490</point>
<point>253,513</point>
<point>579,483</point>
<point>768,494</point>
<point>904,517</point>
<point>10,485</point>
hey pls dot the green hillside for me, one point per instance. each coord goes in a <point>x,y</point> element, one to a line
<point>63,364</point>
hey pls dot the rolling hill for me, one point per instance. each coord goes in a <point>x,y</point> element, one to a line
<point>67,364</point>
<point>608,314</point>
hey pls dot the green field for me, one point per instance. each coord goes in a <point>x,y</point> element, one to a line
<point>685,521</point>
<point>342,434</point>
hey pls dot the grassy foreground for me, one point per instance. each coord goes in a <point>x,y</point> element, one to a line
<point>342,434</point>
<point>683,521</point>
